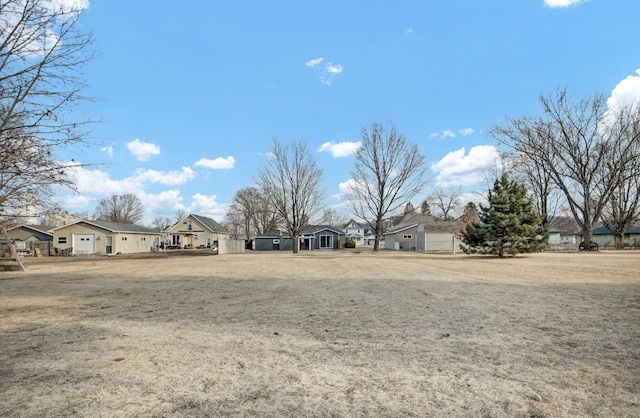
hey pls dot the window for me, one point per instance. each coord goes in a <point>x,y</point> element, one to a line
<point>326,241</point>
<point>190,226</point>
<point>276,241</point>
<point>407,236</point>
<point>195,237</point>
<point>124,238</point>
<point>143,238</point>
<point>62,240</point>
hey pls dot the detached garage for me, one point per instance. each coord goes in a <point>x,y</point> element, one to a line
<point>102,237</point>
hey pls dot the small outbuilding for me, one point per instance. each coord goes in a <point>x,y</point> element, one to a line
<point>31,239</point>
<point>405,238</point>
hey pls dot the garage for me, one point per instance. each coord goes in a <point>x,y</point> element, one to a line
<point>84,244</point>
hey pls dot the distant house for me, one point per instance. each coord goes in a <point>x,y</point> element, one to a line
<point>554,236</point>
<point>270,241</point>
<point>362,234</point>
<point>101,237</point>
<point>417,232</point>
<point>314,237</point>
<point>405,238</point>
<point>28,238</point>
<point>603,236</point>
<point>355,232</point>
<point>195,231</point>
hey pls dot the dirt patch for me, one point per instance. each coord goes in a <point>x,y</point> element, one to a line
<point>322,334</point>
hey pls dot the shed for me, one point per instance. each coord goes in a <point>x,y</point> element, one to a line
<point>29,238</point>
<point>405,238</point>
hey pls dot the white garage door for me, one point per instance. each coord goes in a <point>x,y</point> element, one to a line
<point>84,244</point>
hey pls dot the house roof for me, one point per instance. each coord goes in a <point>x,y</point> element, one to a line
<point>399,228</point>
<point>114,227</point>
<point>270,234</point>
<point>313,229</point>
<point>352,221</point>
<point>42,229</point>
<point>604,230</point>
<point>208,223</point>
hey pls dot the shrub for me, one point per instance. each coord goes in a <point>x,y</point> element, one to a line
<point>349,243</point>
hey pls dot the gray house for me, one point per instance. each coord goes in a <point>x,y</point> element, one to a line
<point>313,237</point>
<point>603,236</point>
<point>405,238</point>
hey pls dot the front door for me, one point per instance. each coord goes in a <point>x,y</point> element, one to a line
<point>108,241</point>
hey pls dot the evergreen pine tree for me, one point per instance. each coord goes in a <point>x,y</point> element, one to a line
<point>508,226</point>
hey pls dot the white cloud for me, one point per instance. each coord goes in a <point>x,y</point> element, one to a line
<point>314,62</point>
<point>562,3</point>
<point>409,31</point>
<point>626,92</point>
<point>207,206</point>
<point>334,69</point>
<point>78,5</point>
<point>217,164</point>
<point>460,169</point>
<point>447,133</point>
<point>340,149</point>
<point>170,178</point>
<point>328,71</point>
<point>345,191</point>
<point>107,150</point>
<point>94,181</point>
<point>143,151</point>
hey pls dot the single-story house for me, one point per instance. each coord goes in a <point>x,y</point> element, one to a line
<point>405,238</point>
<point>269,241</point>
<point>195,231</point>
<point>603,236</point>
<point>313,237</point>
<point>102,237</point>
<point>28,238</point>
<point>554,236</point>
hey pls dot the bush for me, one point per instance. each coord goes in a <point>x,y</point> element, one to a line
<point>350,244</point>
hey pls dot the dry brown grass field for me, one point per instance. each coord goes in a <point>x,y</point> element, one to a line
<point>322,334</point>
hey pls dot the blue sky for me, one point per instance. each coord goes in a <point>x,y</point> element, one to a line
<point>190,95</point>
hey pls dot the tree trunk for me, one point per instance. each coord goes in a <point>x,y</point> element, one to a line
<point>619,240</point>
<point>296,244</point>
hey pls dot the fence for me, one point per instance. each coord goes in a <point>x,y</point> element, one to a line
<point>231,246</point>
<point>442,243</point>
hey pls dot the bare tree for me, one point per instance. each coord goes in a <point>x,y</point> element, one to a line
<point>292,180</point>
<point>622,210</point>
<point>575,143</point>
<point>234,222</point>
<point>253,212</point>
<point>388,173</point>
<point>42,54</point>
<point>179,215</point>
<point>546,196</point>
<point>126,208</point>
<point>333,218</point>
<point>161,223</point>
<point>446,200</point>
